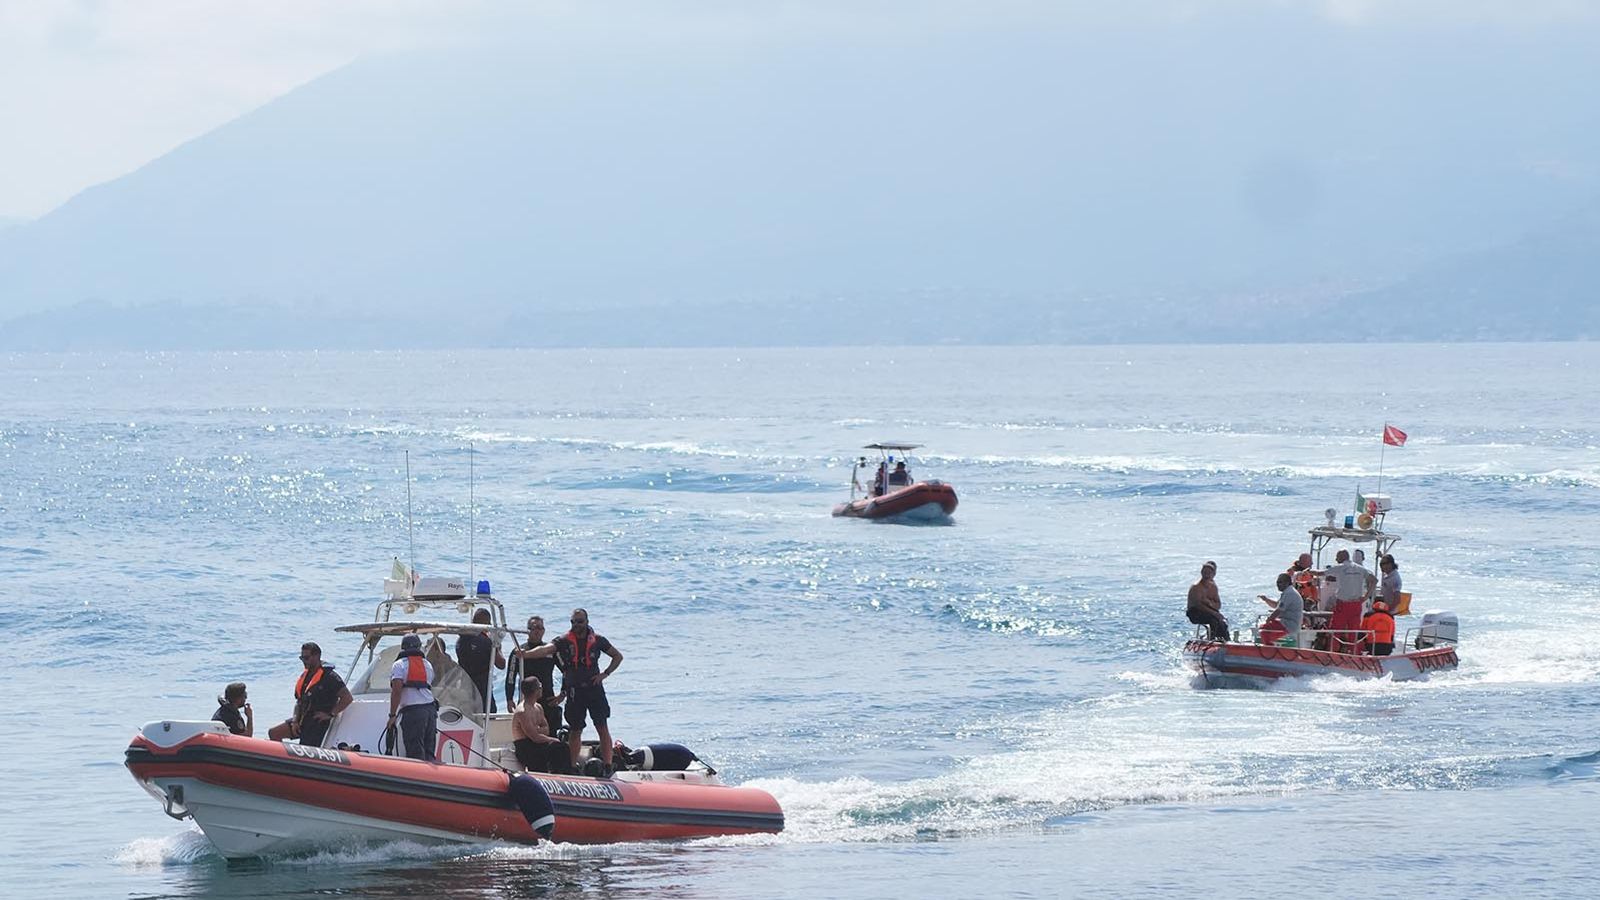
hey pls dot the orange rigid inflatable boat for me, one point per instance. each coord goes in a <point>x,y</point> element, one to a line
<point>894,494</point>
<point>924,500</point>
<point>253,797</point>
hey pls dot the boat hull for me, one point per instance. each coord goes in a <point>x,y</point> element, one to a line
<point>925,501</point>
<point>1221,662</point>
<point>255,797</point>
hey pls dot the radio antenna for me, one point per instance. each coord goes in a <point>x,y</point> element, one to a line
<point>472,514</point>
<point>411,538</point>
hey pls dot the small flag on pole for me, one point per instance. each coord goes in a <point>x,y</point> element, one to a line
<point>1393,436</point>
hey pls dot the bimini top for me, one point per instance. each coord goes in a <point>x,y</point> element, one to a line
<point>375,630</point>
<point>891,445</point>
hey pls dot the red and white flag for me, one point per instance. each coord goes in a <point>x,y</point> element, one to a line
<point>1393,436</point>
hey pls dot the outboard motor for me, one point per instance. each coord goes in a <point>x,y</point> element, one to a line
<point>1439,626</point>
<point>534,803</point>
<point>661,758</point>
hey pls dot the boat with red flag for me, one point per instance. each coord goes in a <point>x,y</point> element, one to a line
<point>894,494</point>
<point>1336,636</point>
<point>254,797</point>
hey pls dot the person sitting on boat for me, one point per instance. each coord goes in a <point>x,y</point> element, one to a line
<point>532,735</point>
<point>411,701</point>
<point>519,667</point>
<point>1288,609</point>
<point>233,710</point>
<point>1205,605</point>
<point>578,653</point>
<point>319,695</point>
<point>880,481</point>
<point>899,477</point>
<point>474,652</point>
<point>1381,623</point>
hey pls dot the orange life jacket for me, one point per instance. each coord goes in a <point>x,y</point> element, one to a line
<point>1381,624</point>
<point>416,672</point>
<point>301,685</point>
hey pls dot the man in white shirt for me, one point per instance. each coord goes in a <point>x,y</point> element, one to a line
<point>1349,594</point>
<point>411,699</point>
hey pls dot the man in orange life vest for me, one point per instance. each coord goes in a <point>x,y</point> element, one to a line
<point>319,695</point>
<point>1381,623</point>
<point>578,654</point>
<point>411,700</point>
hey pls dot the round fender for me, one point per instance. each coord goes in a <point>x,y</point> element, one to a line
<point>534,803</point>
<point>663,758</point>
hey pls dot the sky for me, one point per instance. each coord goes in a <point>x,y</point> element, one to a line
<point>93,89</point>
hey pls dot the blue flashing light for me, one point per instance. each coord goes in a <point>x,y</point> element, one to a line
<point>483,588</point>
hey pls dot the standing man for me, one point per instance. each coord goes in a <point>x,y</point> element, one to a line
<point>1349,600</point>
<point>578,653</point>
<point>522,666</point>
<point>1205,606</point>
<point>474,652</point>
<point>319,695</point>
<point>1391,587</point>
<point>411,701</point>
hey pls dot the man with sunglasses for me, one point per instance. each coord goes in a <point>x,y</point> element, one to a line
<point>578,654</point>
<point>319,695</point>
<point>521,667</point>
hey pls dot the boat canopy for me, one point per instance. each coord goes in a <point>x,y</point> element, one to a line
<point>375,630</point>
<point>1354,535</point>
<point>891,445</point>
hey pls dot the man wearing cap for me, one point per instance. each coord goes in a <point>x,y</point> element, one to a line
<point>411,700</point>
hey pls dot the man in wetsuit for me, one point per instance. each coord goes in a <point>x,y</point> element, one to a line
<point>1205,606</point>
<point>474,652</point>
<point>521,666</point>
<point>319,695</point>
<point>578,653</point>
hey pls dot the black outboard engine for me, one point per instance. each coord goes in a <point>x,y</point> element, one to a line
<point>661,758</point>
<point>534,803</point>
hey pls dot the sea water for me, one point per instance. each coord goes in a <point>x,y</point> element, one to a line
<point>994,707</point>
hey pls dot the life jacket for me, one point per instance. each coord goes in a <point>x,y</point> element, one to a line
<point>416,669</point>
<point>301,685</point>
<point>1381,624</point>
<point>581,656</point>
<point>1306,584</point>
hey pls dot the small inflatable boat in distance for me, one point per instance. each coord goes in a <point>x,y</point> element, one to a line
<point>894,494</point>
<point>255,797</point>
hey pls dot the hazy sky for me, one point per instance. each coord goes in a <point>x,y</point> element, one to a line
<point>93,89</point>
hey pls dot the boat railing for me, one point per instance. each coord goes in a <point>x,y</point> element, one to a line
<point>1412,634</point>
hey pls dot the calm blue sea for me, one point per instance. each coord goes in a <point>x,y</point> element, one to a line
<point>991,708</point>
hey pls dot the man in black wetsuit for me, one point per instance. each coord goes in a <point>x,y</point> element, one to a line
<point>578,653</point>
<point>521,666</point>
<point>475,652</point>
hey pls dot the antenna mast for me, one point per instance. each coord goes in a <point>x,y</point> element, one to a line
<point>472,514</point>
<point>411,539</point>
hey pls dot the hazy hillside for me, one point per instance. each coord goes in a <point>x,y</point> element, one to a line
<point>579,188</point>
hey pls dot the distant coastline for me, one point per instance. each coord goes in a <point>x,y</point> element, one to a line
<point>907,320</point>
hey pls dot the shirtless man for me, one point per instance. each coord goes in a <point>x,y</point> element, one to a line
<point>1205,606</point>
<point>537,749</point>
